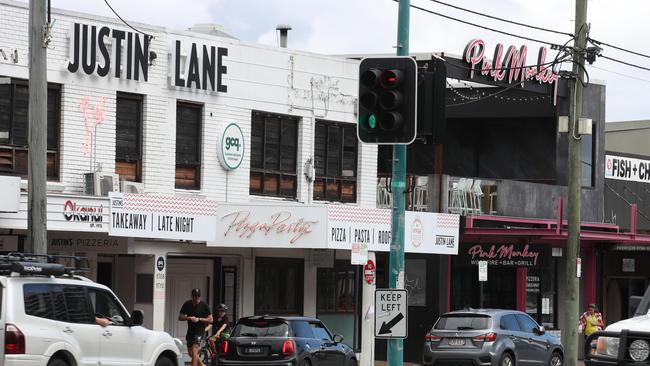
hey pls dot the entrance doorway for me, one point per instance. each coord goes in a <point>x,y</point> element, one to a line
<point>184,274</point>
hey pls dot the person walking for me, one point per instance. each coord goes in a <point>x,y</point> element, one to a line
<point>591,321</point>
<point>197,314</point>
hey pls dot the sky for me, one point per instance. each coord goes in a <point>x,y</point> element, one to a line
<point>370,26</point>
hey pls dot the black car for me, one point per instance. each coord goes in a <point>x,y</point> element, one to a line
<point>291,341</point>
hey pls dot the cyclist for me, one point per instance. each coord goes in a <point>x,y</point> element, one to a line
<point>220,330</point>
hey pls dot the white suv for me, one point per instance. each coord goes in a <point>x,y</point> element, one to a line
<point>48,317</point>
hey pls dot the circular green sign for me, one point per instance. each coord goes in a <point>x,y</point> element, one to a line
<point>231,147</point>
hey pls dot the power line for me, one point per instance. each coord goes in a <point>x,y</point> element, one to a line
<point>620,74</point>
<point>625,63</point>
<point>125,22</point>
<point>616,47</point>
<point>501,19</point>
<point>481,26</point>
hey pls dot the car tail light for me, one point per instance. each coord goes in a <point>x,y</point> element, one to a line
<point>14,340</point>
<point>288,347</point>
<point>432,338</point>
<point>489,337</point>
<point>223,349</point>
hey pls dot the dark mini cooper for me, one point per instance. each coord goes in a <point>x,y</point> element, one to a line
<point>291,341</point>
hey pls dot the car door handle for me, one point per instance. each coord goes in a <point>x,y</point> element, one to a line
<point>530,340</point>
<point>67,330</point>
<point>107,334</point>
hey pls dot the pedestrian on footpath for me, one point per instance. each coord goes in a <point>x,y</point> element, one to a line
<point>591,321</point>
<point>198,315</point>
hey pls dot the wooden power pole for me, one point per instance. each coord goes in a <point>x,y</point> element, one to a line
<point>37,143</point>
<point>570,327</point>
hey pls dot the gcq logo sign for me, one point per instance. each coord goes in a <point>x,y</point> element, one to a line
<point>231,147</point>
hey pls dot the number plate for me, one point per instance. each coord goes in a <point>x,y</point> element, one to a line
<point>457,341</point>
<point>253,350</point>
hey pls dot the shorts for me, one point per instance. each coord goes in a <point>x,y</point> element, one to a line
<point>195,339</point>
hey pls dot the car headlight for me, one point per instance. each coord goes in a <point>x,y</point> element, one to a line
<point>639,350</point>
<point>607,346</point>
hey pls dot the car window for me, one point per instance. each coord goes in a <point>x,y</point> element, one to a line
<point>526,323</point>
<point>105,305</point>
<point>77,305</point>
<point>320,332</point>
<point>463,322</point>
<point>302,329</point>
<point>509,322</point>
<point>261,328</point>
<point>38,300</point>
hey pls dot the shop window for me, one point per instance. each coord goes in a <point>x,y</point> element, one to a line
<point>14,101</point>
<point>337,291</point>
<point>587,158</point>
<point>188,145</point>
<point>128,137</point>
<point>279,286</point>
<point>335,162</point>
<point>274,149</point>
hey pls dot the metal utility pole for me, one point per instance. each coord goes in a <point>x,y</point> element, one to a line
<point>570,328</point>
<point>398,186</point>
<point>37,143</point>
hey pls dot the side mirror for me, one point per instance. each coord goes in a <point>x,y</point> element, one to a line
<point>137,317</point>
<point>540,330</point>
<point>338,338</point>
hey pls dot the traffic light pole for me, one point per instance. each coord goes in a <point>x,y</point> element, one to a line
<point>398,187</point>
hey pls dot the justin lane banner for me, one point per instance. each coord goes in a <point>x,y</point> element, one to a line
<point>424,232</point>
<point>162,217</point>
<point>625,168</point>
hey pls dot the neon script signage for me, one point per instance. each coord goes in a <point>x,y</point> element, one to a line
<point>510,65</point>
<point>505,255</point>
<point>282,222</point>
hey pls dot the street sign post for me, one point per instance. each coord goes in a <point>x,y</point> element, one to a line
<point>391,314</point>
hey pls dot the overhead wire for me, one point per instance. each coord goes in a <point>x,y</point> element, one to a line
<point>481,26</point>
<point>625,63</point>
<point>125,22</point>
<point>620,74</point>
<point>597,42</point>
<point>502,19</point>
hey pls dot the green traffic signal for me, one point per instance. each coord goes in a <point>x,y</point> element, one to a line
<point>372,121</point>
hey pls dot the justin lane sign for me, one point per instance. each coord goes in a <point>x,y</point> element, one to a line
<point>164,217</point>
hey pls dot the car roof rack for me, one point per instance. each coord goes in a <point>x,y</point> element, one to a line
<point>29,264</point>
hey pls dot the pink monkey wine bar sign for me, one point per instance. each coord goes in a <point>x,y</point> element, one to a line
<point>505,254</point>
<point>509,65</point>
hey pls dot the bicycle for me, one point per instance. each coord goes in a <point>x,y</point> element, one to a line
<point>205,353</point>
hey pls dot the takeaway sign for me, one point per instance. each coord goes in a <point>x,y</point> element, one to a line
<point>162,216</point>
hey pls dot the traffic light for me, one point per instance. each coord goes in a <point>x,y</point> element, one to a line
<point>387,100</point>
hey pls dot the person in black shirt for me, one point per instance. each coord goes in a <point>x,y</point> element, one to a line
<point>197,314</point>
<point>220,328</point>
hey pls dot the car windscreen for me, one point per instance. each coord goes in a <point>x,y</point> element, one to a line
<point>261,328</point>
<point>463,322</point>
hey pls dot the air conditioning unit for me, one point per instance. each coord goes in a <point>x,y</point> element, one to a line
<point>131,187</point>
<point>99,184</point>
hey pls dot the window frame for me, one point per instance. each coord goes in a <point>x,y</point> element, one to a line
<point>338,178</point>
<point>139,98</point>
<point>280,172</point>
<point>13,150</point>
<point>197,166</point>
<point>299,265</point>
<point>123,313</point>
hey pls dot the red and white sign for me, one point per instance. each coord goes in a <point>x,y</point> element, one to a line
<point>509,66</point>
<point>369,272</point>
<point>271,226</point>
<point>162,216</point>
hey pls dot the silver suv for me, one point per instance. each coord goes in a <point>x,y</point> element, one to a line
<point>482,337</point>
<point>51,317</point>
